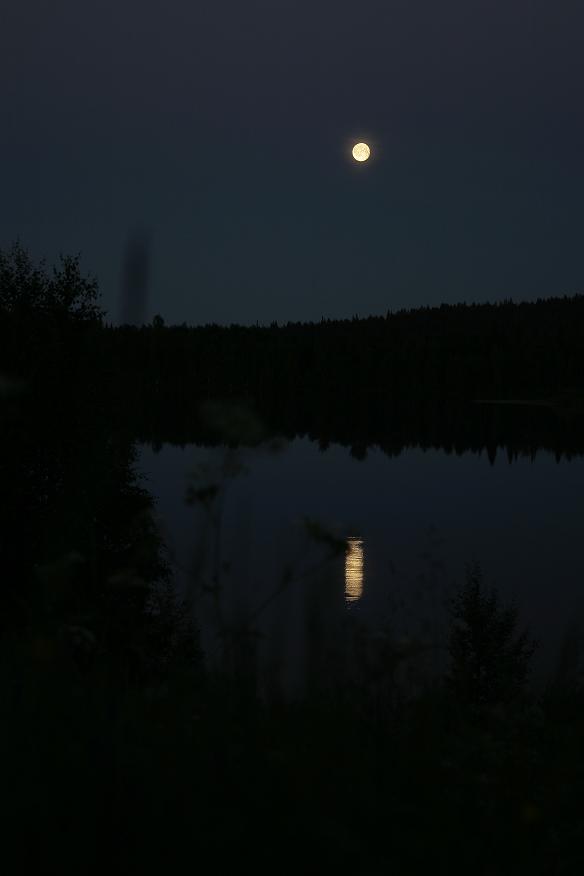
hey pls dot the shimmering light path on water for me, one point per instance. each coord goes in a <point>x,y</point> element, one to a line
<point>353,570</point>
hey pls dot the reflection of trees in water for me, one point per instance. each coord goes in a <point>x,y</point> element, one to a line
<point>392,425</point>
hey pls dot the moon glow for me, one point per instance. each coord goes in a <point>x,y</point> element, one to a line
<point>361,152</point>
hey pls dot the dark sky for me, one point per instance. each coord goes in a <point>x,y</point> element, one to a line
<point>223,131</point>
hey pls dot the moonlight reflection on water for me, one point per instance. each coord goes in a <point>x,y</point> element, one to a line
<point>514,519</point>
<point>353,570</point>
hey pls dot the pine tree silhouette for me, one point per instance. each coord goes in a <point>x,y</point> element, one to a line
<point>490,658</point>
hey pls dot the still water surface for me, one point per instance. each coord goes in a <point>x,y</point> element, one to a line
<point>405,528</point>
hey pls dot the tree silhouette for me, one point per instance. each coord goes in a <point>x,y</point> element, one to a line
<point>27,289</point>
<point>490,659</point>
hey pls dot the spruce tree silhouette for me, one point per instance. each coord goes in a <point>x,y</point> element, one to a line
<point>490,659</point>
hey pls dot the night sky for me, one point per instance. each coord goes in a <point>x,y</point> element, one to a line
<point>222,130</point>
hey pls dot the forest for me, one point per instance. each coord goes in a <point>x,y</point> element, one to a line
<point>113,727</point>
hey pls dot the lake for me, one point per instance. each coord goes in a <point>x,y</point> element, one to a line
<point>288,539</point>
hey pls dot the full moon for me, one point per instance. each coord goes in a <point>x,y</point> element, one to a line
<point>361,151</point>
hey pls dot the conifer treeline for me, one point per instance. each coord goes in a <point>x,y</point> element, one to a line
<point>410,377</point>
<point>407,378</point>
<point>506,350</point>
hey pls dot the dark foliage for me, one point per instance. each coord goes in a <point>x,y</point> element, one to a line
<point>117,745</point>
<point>28,290</point>
<point>416,377</point>
<point>490,657</point>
